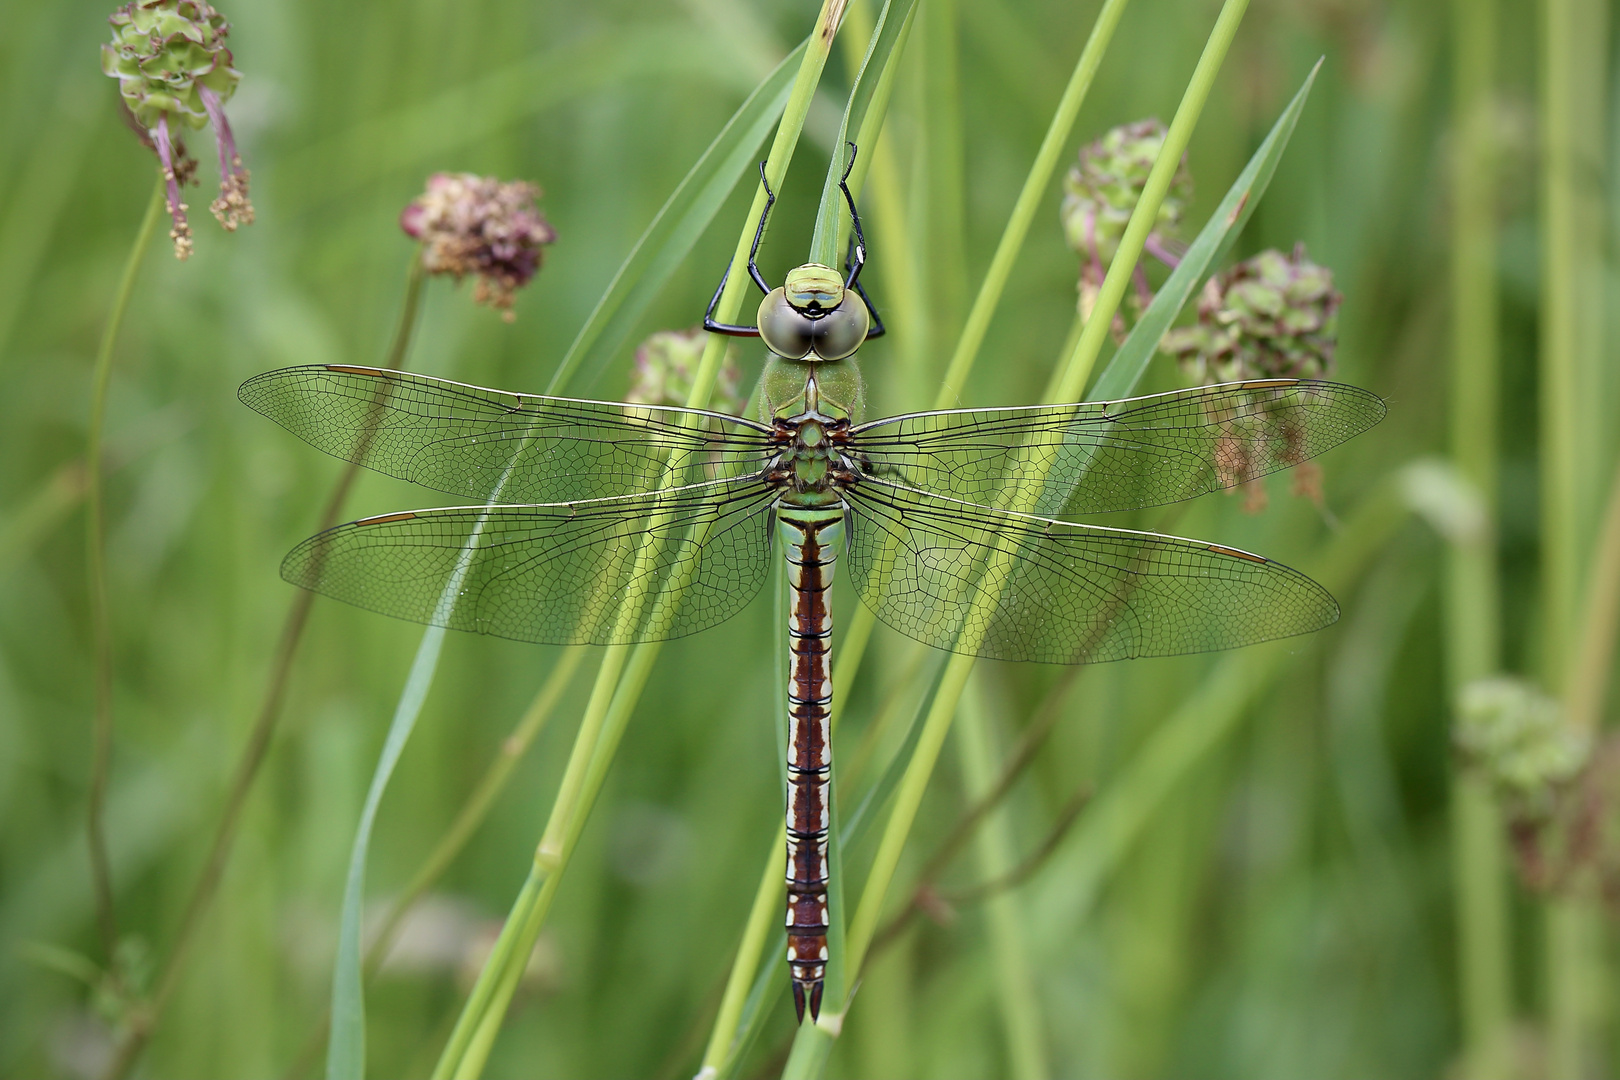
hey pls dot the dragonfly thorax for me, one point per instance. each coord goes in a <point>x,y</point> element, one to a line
<point>813,460</point>
<point>812,316</point>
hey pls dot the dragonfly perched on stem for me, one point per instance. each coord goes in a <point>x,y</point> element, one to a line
<point>610,523</point>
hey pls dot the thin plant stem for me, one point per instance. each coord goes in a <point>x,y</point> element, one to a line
<point>624,668</point>
<point>1029,198</point>
<point>262,734</point>
<point>1068,383</point>
<point>1472,598</point>
<point>96,579</point>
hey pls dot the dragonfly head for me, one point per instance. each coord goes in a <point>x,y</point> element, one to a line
<point>813,317</point>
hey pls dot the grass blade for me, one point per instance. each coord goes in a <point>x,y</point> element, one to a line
<point>863,115</point>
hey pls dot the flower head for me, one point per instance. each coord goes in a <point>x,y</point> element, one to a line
<point>1101,192</point>
<point>665,364</point>
<point>174,72</point>
<point>471,224</point>
<point>1519,738</point>
<point>1272,316</point>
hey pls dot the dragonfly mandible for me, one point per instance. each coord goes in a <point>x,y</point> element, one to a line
<point>610,523</point>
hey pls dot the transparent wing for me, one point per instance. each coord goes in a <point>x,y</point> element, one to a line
<point>1096,457</point>
<point>605,572</point>
<point>1065,593</point>
<point>520,448</point>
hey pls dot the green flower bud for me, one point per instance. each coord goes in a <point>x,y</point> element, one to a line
<point>1518,737</point>
<point>1102,189</point>
<point>163,54</point>
<point>174,72</point>
<point>470,224</point>
<point>1272,316</point>
<point>666,363</point>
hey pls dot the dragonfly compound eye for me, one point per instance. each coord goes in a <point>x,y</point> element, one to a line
<point>786,331</point>
<point>842,330</point>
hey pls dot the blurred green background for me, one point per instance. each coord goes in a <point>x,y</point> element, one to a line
<point>1286,907</point>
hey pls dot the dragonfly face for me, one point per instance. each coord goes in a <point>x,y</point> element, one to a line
<point>811,316</point>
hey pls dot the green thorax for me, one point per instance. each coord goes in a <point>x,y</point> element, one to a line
<point>786,389</point>
<point>812,467</point>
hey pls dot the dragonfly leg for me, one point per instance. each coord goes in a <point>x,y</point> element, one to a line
<point>856,259</point>
<point>731,329</point>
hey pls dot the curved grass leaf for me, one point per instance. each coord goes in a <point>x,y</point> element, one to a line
<point>1125,370</point>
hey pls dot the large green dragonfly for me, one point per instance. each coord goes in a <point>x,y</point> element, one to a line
<point>609,523</point>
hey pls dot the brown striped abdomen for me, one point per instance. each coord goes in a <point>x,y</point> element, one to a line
<point>810,554</point>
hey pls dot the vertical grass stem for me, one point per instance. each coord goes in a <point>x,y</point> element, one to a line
<point>1472,596</point>
<point>96,579</point>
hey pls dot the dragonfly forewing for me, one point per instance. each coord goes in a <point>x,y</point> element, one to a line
<point>1066,593</point>
<point>602,572</point>
<point>471,442</point>
<point>1099,457</point>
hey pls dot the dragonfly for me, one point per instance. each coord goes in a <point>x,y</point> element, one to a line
<point>611,523</point>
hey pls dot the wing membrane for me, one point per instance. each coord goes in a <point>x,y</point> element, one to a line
<point>520,448</point>
<point>1073,593</point>
<point>557,574</point>
<point>1097,457</point>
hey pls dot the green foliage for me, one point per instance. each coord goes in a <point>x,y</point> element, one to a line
<point>1259,887</point>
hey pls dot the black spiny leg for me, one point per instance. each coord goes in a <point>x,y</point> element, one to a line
<point>856,258</point>
<point>753,271</point>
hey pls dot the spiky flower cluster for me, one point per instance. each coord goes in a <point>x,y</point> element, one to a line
<point>1272,316</point>
<point>470,224</point>
<point>666,363</point>
<point>173,68</point>
<point>1519,738</point>
<point>1101,191</point>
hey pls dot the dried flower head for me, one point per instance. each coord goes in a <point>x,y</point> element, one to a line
<point>1519,738</point>
<point>173,68</point>
<point>665,364</point>
<point>1100,193</point>
<point>471,224</point>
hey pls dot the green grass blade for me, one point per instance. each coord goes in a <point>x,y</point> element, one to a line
<point>679,222</point>
<point>346,1053</point>
<point>1119,379</point>
<point>863,115</point>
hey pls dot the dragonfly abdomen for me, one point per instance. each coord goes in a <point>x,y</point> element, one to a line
<point>811,539</point>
